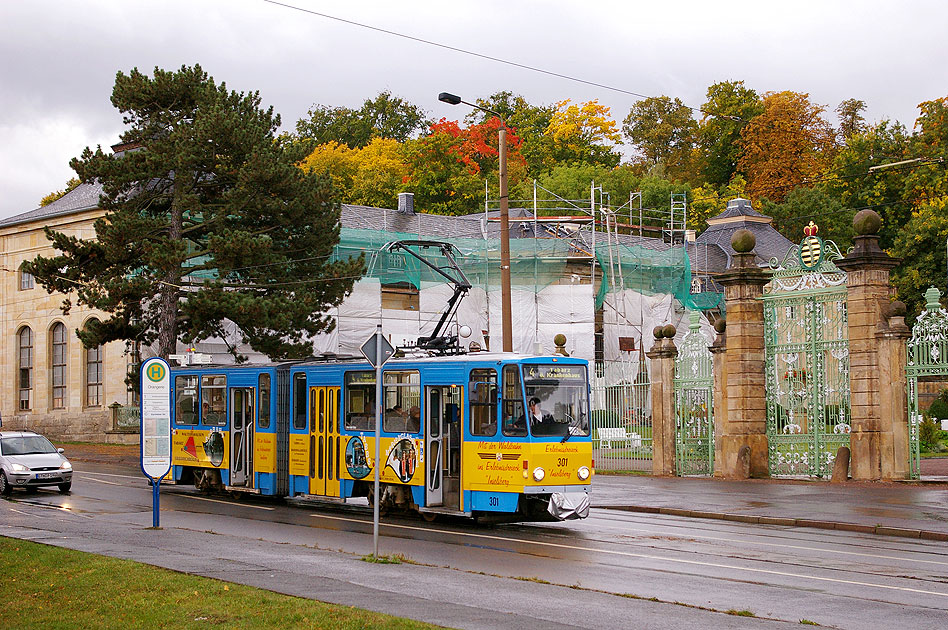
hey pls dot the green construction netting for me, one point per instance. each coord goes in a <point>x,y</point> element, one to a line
<point>534,263</point>
<point>651,272</point>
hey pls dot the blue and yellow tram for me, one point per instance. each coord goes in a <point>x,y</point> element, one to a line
<point>487,435</point>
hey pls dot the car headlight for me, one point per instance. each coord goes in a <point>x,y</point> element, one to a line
<point>538,474</point>
<point>65,466</point>
<point>19,468</point>
<point>583,473</point>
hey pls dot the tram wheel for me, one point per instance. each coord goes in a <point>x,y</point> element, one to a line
<point>431,517</point>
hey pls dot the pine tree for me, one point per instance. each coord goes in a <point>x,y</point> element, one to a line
<point>207,220</point>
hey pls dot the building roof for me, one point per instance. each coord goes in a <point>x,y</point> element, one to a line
<point>716,240</point>
<point>82,197</point>
<point>477,226</point>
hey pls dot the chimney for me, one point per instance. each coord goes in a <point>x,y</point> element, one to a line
<point>406,203</point>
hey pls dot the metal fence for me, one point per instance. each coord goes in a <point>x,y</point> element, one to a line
<point>622,416</point>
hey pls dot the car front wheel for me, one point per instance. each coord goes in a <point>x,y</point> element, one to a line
<point>4,484</point>
<point>64,487</point>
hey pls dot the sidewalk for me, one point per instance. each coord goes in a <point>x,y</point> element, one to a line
<point>914,510</point>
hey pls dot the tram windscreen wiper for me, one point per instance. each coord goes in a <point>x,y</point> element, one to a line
<point>573,426</point>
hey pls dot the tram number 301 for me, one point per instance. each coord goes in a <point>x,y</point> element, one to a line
<point>493,501</point>
<point>562,461</point>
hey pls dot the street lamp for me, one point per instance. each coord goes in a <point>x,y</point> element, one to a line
<point>452,99</point>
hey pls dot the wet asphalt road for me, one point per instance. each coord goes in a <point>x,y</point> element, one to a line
<point>597,573</point>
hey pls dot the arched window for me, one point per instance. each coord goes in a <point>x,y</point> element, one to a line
<point>57,366</point>
<point>24,383</point>
<point>94,376</point>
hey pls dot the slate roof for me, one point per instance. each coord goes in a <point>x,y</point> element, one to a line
<point>713,246</point>
<point>82,197</point>
<point>86,197</point>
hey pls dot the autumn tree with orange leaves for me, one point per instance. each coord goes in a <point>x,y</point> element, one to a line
<point>788,145</point>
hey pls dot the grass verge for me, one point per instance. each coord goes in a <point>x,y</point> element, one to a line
<point>53,588</point>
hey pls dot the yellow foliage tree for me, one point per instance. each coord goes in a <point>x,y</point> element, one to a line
<point>787,145</point>
<point>336,160</point>
<point>584,133</point>
<point>379,174</point>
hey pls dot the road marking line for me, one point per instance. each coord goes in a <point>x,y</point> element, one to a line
<point>256,507</point>
<point>89,472</point>
<point>645,556</point>
<point>111,483</point>
<point>683,538</point>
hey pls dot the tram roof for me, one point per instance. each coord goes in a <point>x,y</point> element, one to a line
<point>476,357</point>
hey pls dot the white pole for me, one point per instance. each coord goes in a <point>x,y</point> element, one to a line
<point>378,435</point>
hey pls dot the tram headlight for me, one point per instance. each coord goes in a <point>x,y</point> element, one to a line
<point>538,474</point>
<point>583,473</point>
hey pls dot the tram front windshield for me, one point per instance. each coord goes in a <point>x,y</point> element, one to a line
<point>557,402</point>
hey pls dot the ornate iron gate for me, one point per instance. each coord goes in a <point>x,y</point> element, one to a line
<point>694,420</point>
<point>807,359</point>
<point>926,357</point>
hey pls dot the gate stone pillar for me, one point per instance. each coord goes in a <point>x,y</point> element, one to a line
<point>719,370</point>
<point>893,407</point>
<point>745,423</point>
<point>867,270</point>
<point>663,355</point>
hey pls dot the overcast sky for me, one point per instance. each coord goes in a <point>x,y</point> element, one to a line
<point>58,59</point>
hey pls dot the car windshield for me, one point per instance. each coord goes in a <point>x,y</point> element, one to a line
<point>556,399</point>
<point>28,445</point>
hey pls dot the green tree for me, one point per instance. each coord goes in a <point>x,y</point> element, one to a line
<point>385,116</point>
<point>663,131</point>
<point>729,107</point>
<point>921,246</point>
<point>849,180</point>
<point>207,220</point>
<point>803,205</point>
<point>57,194</point>
<point>851,120</point>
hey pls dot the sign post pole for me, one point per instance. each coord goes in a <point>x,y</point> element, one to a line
<point>378,438</point>
<point>155,437</point>
<point>377,350</point>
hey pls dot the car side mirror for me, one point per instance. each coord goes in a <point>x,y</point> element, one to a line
<point>60,450</point>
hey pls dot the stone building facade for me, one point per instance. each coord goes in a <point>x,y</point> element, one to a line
<point>49,382</point>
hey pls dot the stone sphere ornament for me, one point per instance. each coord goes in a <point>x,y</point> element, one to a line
<point>668,331</point>
<point>657,332</point>
<point>867,222</point>
<point>559,340</point>
<point>743,241</point>
<point>720,325</point>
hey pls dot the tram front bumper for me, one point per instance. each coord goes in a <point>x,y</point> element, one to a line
<point>566,506</point>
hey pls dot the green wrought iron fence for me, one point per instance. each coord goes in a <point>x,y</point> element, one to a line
<point>926,357</point>
<point>694,404</point>
<point>807,360</point>
<point>622,416</point>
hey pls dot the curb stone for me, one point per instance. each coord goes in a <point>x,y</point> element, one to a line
<point>878,530</point>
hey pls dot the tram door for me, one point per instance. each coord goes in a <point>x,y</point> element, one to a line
<point>241,436</point>
<point>323,441</point>
<point>434,448</point>
<point>443,446</point>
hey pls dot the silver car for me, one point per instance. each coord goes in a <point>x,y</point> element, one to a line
<point>29,460</point>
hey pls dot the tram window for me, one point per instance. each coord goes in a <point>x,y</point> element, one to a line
<point>401,392</point>
<point>515,420</point>
<point>360,401</point>
<point>560,392</point>
<point>299,401</point>
<point>483,388</point>
<point>263,414</point>
<point>213,400</point>
<point>186,400</point>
